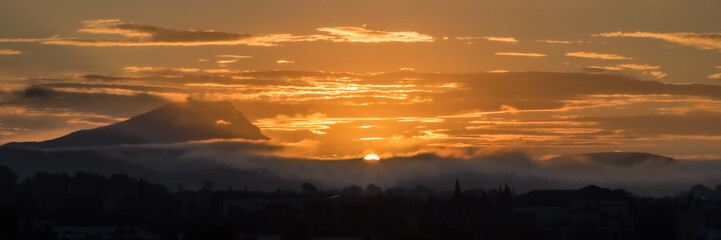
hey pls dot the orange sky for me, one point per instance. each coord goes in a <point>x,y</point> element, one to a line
<point>338,79</point>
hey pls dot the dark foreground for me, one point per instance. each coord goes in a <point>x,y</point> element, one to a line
<point>89,206</point>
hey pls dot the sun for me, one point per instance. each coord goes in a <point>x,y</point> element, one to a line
<point>371,157</point>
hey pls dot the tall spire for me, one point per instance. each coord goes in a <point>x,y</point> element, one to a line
<point>457,193</point>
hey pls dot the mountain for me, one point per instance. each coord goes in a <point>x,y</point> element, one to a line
<point>173,122</point>
<point>621,159</point>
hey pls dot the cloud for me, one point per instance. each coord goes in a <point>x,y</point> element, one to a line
<point>492,39</point>
<point>716,75</point>
<point>619,67</point>
<point>658,75</point>
<point>104,77</point>
<point>229,58</point>
<point>37,92</point>
<point>638,66</point>
<point>688,124</point>
<point>107,88</point>
<point>501,39</point>
<point>330,88</point>
<point>602,69</point>
<point>362,35</point>
<point>555,41</point>
<point>538,85</point>
<point>44,98</point>
<point>136,34</point>
<point>232,56</point>
<point>509,108</point>
<point>27,40</point>
<point>9,52</point>
<point>597,56</point>
<point>470,38</point>
<point>698,40</point>
<point>146,35</point>
<point>520,54</point>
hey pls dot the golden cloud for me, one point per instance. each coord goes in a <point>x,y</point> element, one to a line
<point>9,52</point>
<point>520,54</point>
<point>23,39</point>
<point>597,56</point>
<point>698,40</point>
<point>638,66</point>
<point>362,35</point>
<point>469,38</point>
<point>232,56</point>
<point>509,108</point>
<point>493,39</point>
<point>602,68</point>
<point>501,39</point>
<point>619,67</point>
<point>227,61</point>
<point>658,75</point>
<point>555,41</point>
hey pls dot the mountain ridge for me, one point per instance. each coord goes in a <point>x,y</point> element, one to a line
<point>174,122</point>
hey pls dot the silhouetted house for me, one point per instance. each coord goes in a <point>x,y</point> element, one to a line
<point>570,214</point>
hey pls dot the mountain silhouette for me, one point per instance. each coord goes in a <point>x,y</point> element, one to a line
<point>171,123</point>
<point>621,159</point>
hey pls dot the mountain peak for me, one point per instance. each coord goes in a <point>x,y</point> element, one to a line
<point>174,122</point>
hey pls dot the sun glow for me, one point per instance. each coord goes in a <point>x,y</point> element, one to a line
<point>372,157</point>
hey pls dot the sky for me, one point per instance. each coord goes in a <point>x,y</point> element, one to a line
<point>343,79</point>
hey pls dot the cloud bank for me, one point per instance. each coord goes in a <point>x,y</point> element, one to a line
<point>518,168</point>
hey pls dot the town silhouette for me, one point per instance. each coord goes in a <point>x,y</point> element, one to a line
<point>91,206</point>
